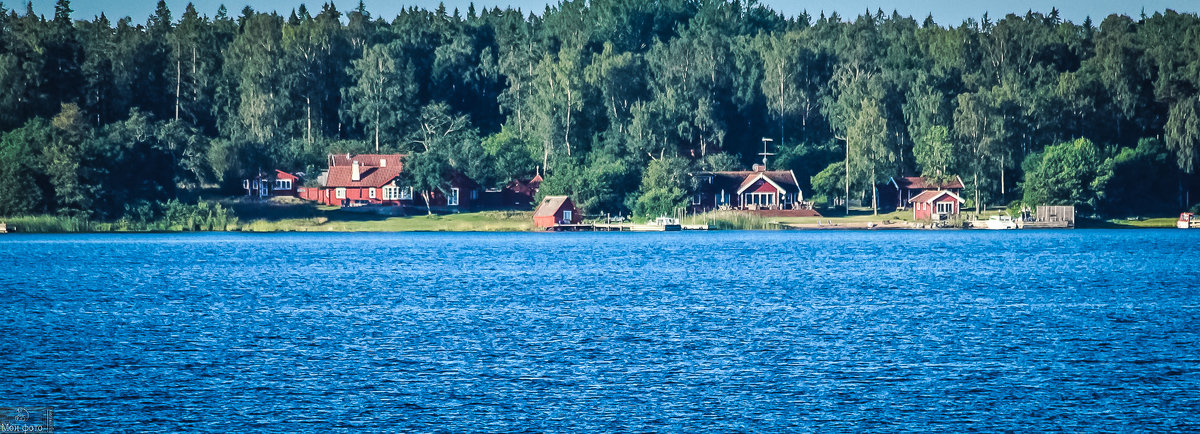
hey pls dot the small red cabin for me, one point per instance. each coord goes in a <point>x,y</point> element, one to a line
<point>555,210</point>
<point>938,205</point>
<point>285,184</point>
<point>279,184</point>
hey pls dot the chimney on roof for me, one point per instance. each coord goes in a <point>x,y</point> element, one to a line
<point>382,162</point>
<point>354,175</point>
<point>760,168</point>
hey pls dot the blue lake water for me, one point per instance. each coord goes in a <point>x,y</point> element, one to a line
<point>1081,330</point>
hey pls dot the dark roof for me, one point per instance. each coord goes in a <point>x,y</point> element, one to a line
<point>919,183</point>
<point>550,206</point>
<point>931,195</point>
<point>368,160</point>
<point>342,176</point>
<point>734,180</point>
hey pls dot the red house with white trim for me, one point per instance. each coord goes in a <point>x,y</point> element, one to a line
<point>936,205</point>
<point>363,185</point>
<point>362,179</point>
<point>375,179</point>
<point>899,191</point>
<point>279,184</point>
<point>758,190</point>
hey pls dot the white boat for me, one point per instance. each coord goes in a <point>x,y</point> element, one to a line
<point>1001,222</point>
<point>661,224</point>
<point>1187,220</point>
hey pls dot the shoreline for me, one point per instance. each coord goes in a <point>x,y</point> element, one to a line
<point>485,230</point>
<point>336,220</point>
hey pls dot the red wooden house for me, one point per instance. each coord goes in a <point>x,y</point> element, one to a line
<point>936,205</point>
<point>556,210</point>
<point>462,194</point>
<point>518,194</point>
<point>376,179</point>
<point>362,179</point>
<point>278,184</point>
<point>358,184</point>
<point>899,191</point>
<point>757,190</point>
<point>285,184</point>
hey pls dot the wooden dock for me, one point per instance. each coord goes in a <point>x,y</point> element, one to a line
<point>1046,225</point>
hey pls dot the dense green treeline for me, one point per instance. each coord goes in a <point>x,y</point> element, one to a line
<point>615,101</point>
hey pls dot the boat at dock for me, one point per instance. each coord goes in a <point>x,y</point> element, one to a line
<point>1000,222</point>
<point>661,224</point>
<point>1188,220</point>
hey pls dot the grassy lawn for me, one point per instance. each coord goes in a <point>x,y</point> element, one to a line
<point>1140,223</point>
<point>864,215</point>
<point>856,216</point>
<point>286,214</point>
<point>486,221</point>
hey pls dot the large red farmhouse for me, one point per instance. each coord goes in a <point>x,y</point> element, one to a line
<point>360,184</point>
<point>363,179</point>
<point>936,205</point>
<point>375,179</point>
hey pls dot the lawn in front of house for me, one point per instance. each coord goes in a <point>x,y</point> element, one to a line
<point>285,214</point>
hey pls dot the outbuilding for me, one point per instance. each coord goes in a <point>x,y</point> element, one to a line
<point>936,205</point>
<point>556,210</point>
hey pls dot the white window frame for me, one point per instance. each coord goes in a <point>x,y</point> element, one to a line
<point>698,199</point>
<point>452,198</point>
<point>764,199</point>
<point>371,193</point>
<point>283,184</point>
<point>391,192</point>
<point>405,193</point>
<point>567,216</point>
<point>948,205</point>
<point>339,193</point>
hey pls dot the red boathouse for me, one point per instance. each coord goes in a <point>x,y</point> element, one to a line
<point>556,210</point>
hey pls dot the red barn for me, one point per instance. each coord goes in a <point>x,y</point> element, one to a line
<point>935,205</point>
<point>556,210</point>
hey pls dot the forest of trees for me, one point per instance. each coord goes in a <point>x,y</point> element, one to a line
<point>615,101</point>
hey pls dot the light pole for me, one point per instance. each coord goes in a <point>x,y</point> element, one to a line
<point>764,153</point>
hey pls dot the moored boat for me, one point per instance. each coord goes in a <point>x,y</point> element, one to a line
<point>661,224</point>
<point>1001,222</point>
<point>1187,220</point>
